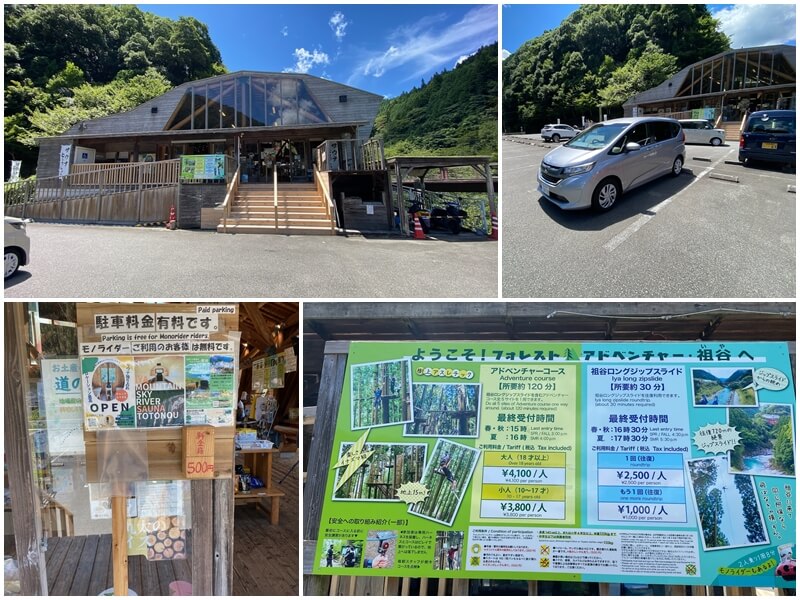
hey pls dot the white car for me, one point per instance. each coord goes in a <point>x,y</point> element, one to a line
<point>700,131</point>
<point>558,132</point>
<point>17,243</point>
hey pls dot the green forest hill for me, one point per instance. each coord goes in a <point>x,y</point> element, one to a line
<point>453,114</point>
<point>602,55</point>
<point>65,63</point>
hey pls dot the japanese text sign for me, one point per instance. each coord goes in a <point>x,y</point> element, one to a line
<point>666,463</point>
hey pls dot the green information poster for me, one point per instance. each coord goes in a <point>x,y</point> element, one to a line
<point>203,166</point>
<point>668,463</point>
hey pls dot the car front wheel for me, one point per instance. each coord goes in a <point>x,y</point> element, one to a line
<point>606,194</point>
<point>11,262</point>
<point>716,141</point>
<point>677,166</point>
<point>556,138</point>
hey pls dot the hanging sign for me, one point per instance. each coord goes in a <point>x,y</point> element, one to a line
<point>657,463</point>
<point>148,368</point>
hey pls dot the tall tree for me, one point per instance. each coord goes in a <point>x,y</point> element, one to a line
<point>560,74</point>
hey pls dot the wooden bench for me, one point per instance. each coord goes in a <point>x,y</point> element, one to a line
<point>260,495</point>
<point>290,434</point>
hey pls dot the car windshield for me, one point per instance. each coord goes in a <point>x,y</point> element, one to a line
<point>598,136</point>
<point>773,125</point>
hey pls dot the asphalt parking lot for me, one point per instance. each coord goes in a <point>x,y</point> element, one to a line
<point>699,235</point>
<point>89,261</point>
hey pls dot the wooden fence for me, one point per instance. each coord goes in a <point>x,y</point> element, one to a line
<point>99,193</point>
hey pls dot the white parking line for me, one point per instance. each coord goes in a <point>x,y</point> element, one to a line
<point>522,168</point>
<point>618,239</point>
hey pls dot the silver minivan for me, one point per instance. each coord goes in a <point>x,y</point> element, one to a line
<point>597,166</point>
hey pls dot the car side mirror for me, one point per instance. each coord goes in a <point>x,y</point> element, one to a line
<point>632,147</point>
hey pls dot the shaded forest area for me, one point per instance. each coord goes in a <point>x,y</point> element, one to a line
<point>380,394</point>
<point>443,501</point>
<point>65,63</point>
<point>453,114</point>
<point>445,541</point>
<point>337,550</point>
<point>445,409</point>
<point>602,55</point>
<point>389,467</point>
<point>764,430</point>
<point>711,504</point>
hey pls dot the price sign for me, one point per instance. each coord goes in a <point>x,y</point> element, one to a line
<point>198,452</point>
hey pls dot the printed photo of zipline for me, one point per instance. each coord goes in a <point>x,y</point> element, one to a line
<point>447,475</point>
<point>445,409</point>
<point>380,394</point>
<point>388,467</point>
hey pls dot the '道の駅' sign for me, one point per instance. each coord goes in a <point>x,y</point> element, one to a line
<point>668,463</point>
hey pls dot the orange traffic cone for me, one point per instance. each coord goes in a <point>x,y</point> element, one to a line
<point>495,231</point>
<point>418,233</point>
<point>171,223</point>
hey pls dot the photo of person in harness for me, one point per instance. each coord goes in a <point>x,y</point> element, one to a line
<point>444,470</point>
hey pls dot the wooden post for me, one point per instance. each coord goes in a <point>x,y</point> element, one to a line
<point>330,393</point>
<point>202,538</point>
<point>223,536</point>
<point>460,587</point>
<point>119,544</point>
<point>442,589</point>
<point>25,506</point>
<point>61,198</point>
<point>490,188</point>
<point>275,194</point>
<point>139,169</point>
<point>533,588</point>
<point>100,185</point>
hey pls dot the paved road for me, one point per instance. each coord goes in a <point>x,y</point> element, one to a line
<point>87,261</point>
<point>692,236</point>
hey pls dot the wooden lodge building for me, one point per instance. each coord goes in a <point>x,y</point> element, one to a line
<point>724,88</point>
<point>266,151</point>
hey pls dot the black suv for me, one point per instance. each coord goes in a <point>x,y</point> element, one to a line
<point>769,135</point>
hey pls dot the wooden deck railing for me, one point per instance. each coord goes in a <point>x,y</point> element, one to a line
<point>230,194</point>
<point>330,208</point>
<point>127,193</point>
<point>350,155</point>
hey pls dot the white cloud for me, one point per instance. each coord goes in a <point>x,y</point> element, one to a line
<point>285,31</point>
<point>425,46</point>
<point>505,54</point>
<point>338,24</point>
<point>377,66</point>
<point>305,60</point>
<point>758,24</point>
<point>462,58</point>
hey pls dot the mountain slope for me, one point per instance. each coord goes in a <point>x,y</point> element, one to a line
<point>455,113</point>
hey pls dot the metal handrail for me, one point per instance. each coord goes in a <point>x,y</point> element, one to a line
<point>230,193</point>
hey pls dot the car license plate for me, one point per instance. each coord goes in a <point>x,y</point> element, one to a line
<point>769,145</point>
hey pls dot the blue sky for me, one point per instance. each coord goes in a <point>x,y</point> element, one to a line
<point>382,49</point>
<point>746,24</point>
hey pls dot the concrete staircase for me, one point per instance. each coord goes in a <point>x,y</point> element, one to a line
<point>300,210</point>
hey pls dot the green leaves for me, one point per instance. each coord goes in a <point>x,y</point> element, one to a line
<point>454,113</point>
<point>603,54</point>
